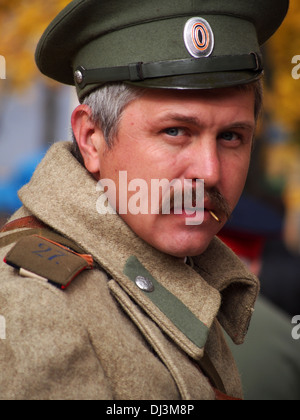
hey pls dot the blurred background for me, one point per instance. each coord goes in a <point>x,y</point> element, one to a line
<point>265,228</point>
<point>34,111</point>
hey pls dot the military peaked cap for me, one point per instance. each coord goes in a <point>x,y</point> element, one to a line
<point>178,44</point>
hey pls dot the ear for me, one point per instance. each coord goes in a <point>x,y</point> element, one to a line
<point>89,138</point>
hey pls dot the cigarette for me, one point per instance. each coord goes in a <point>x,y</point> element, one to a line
<point>214,216</point>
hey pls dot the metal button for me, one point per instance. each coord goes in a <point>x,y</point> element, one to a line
<point>78,76</point>
<point>144,284</point>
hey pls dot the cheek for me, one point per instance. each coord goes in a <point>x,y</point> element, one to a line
<point>152,161</point>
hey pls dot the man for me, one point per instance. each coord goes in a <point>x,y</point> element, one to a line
<point>106,296</point>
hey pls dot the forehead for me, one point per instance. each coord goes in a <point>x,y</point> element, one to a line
<point>225,102</point>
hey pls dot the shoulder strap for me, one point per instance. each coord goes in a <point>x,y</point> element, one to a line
<point>42,253</point>
<point>34,227</point>
<point>24,222</point>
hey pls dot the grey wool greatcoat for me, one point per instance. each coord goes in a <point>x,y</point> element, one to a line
<point>103,337</point>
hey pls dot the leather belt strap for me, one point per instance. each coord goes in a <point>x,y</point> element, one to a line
<point>34,227</point>
<point>25,222</point>
<point>140,71</point>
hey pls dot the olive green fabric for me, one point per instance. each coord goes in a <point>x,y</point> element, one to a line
<point>93,34</point>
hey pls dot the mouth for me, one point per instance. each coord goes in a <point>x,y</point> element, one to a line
<point>190,212</point>
<point>214,206</point>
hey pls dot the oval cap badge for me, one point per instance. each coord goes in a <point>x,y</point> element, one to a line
<point>198,37</point>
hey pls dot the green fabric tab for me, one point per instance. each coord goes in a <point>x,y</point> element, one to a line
<point>169,305</point>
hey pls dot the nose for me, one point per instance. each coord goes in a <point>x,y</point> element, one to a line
<point>204,162</point>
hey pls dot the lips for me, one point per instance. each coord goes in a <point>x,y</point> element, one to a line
<point>209,201</point>
<point>191,211</point>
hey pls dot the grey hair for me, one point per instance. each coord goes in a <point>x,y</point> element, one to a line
<point>107,105</point>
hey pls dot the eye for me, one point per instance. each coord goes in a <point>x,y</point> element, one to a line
<point>229,136</point>
<point>174,131</point>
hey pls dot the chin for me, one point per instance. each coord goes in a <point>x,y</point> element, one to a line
<point>188,250</point>
<point>180,241</point>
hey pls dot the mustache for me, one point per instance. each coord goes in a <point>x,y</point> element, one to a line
<point>217,201</point>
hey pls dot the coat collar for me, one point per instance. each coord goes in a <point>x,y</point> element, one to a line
<point>64,195</point>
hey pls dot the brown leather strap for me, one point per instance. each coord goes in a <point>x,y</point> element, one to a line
<point>34,227</point>
<point>29,222</point>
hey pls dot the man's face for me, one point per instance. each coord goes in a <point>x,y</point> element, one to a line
<point>189,135</point>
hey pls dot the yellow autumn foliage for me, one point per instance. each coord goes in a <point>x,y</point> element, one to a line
<point>283,99</point>
<point>21,25</point>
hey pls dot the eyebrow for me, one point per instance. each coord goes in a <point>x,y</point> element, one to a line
<point>181,118</point>
<point>242,124</point>
<point>246,125</point>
